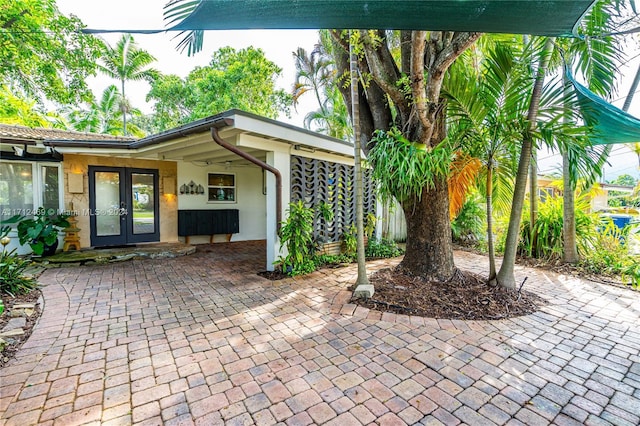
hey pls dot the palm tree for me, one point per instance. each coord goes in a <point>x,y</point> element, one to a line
<point>597,59</point>
<point>505,276</point>
<point>333,118</point>
<point>126,62</point>
<point>103,116</point>
<point>486,107</point>
<point>314,72</point>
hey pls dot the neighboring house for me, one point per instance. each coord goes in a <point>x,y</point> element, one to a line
<point>179,185</point>
<point>548,186</point>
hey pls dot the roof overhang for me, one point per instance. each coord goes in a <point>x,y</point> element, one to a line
<point>193,142</point>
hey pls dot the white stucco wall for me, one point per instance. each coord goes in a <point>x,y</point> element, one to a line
<point>250,200</point>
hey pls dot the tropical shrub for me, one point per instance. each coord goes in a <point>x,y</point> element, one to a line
<point>609,254</point>
<point>469,225</point>
<point>12,278</point>
<point>350,239</point>
<point>42,230</point>
<point>296,234</point>
<point>382,248</point>
<point>548,235</point>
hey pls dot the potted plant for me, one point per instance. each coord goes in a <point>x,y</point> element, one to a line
<point>41,231</point>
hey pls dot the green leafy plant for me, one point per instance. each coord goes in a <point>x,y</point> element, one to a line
<point>296,235</point>
<point>333,259</point>
<point>370,224</point>
<point>42,230</point>
<point>349,237</point>
<point>469,225</point>
<point>548,243</point>
<point>609,253</point>
<point>325,215</point>
<point>384,248</point>
<point>404,168</point>
<point>12,278</point>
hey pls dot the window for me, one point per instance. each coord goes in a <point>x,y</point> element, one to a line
<point>222,187</point>
<point>25,186</point>
<point>544,193</point>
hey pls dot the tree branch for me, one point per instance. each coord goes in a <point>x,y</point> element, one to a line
<point>383,68</point>
<point>418,88</point>
<point>13,20</point>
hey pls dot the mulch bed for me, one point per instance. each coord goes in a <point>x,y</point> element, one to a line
<point>15,342</point>
<point>273,275</point>
<point>466,296</point>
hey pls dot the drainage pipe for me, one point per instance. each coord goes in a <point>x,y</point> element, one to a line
<point>226,145</point>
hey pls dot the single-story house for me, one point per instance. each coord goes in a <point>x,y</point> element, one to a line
<point>228,176</point>
<point>599,197</point>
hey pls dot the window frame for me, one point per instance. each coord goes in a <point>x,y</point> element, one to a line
<point>233,187</point>
<point>37,183</point>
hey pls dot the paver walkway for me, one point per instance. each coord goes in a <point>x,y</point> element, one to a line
<point>203,340</point>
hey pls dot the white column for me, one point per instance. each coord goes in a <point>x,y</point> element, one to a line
<point>282,162</point>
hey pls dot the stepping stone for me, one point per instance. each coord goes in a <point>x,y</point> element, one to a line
<point>14,323</point>
<point>11,333</point>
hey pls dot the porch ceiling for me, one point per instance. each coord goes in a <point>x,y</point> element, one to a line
<point>199,148</point>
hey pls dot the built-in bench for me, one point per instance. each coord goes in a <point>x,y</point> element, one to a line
<point>208,222</point>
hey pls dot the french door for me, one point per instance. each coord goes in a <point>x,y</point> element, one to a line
<point>123,205</point>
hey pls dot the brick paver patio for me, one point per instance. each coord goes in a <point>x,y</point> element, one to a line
<point>203,340</point>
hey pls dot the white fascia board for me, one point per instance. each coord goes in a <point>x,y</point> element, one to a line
<point>117,152</point>
<point>291,135</point>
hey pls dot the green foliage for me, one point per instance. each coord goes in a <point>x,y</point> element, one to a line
<point>370,224</point>
<point>316,74</point>
<point>126,62</point>
<point>403,168</point>
<point>333,259</point>
<point>626,180</point>
<point>43,53</point>
<point>468,227</point>
<point>12,279</point>
<point>41,230</point>
<point>609,255</point>
<point>16,108</point>
<point>350,239</point>
<point>243,79</point>
<point>548,229</point>
<point>296,234</point>
<point>104,116</point>
<point>325,211</point>
<point>384,248</point>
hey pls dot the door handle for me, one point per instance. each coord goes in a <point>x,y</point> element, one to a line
<point>123,210</point>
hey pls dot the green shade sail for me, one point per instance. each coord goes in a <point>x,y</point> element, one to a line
<point>535,17</point>
<point>610,124</point>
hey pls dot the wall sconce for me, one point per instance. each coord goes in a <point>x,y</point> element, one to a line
<point>192,188</point>
<point>169,185</point>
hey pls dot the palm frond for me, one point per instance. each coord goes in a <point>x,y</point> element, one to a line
<point>177,11</point>
<point>464,172</point>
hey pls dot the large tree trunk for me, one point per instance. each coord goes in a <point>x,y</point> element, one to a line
<point>429,247</point>
<point>420,115</point>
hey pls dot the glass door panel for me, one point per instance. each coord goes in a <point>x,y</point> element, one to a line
<point>143,203</point>
<point>124,205</point>
<point>107,201</point>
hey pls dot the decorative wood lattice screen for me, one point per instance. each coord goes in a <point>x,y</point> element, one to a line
<point>316,181</point>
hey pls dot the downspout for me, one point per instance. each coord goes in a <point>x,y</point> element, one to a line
<point>226,145</point>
